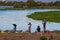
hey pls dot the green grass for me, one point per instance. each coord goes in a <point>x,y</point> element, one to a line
<point>56,31</point>
<point>52,16</point>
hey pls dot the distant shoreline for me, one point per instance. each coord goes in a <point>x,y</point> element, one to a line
<point>26,8</point>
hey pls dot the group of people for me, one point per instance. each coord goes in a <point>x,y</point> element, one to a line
<point>38,28</point>
<point>44,26</point>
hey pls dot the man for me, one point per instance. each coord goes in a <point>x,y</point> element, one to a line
<point>44,24</point>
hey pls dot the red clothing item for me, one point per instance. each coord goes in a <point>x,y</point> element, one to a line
<point>48,32</point>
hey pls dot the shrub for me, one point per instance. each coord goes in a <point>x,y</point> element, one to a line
<point>12,39</point>
<point>43,38</point>
<point>51,37</point>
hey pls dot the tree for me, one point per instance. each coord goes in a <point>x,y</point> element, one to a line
<point>18,5</point>
<point>50,4</point>
<point>57,3</point>
<point>30,3</point>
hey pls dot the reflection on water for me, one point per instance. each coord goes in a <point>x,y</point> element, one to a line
<point>9,17</point>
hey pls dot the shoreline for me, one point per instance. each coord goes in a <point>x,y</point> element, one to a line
<point>26,8</point>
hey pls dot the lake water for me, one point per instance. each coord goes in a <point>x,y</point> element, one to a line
<point>9,17</point>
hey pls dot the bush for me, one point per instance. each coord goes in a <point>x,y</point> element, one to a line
<point>56,31</point>
<point>43,38</point>
<point>51,37</point>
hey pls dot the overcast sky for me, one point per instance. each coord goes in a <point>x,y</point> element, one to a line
<point>36,0</point>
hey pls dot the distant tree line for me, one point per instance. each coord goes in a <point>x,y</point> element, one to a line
<point>31,4</point>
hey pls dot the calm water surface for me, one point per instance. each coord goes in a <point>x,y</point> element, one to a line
<point>8,17</point>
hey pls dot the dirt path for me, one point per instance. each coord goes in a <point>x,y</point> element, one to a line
<point>26,36</point>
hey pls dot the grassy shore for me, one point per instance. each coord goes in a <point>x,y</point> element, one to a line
<point>13,9</point>
<point>52,16</point>
<point>25,8</point>
<point>16,8</point>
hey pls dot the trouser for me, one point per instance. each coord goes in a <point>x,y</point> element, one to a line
<point>44,27</point>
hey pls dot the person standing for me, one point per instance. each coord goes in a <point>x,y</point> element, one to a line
<point>29,28</point>
<point>14,27</point>
<point>44,24</point>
